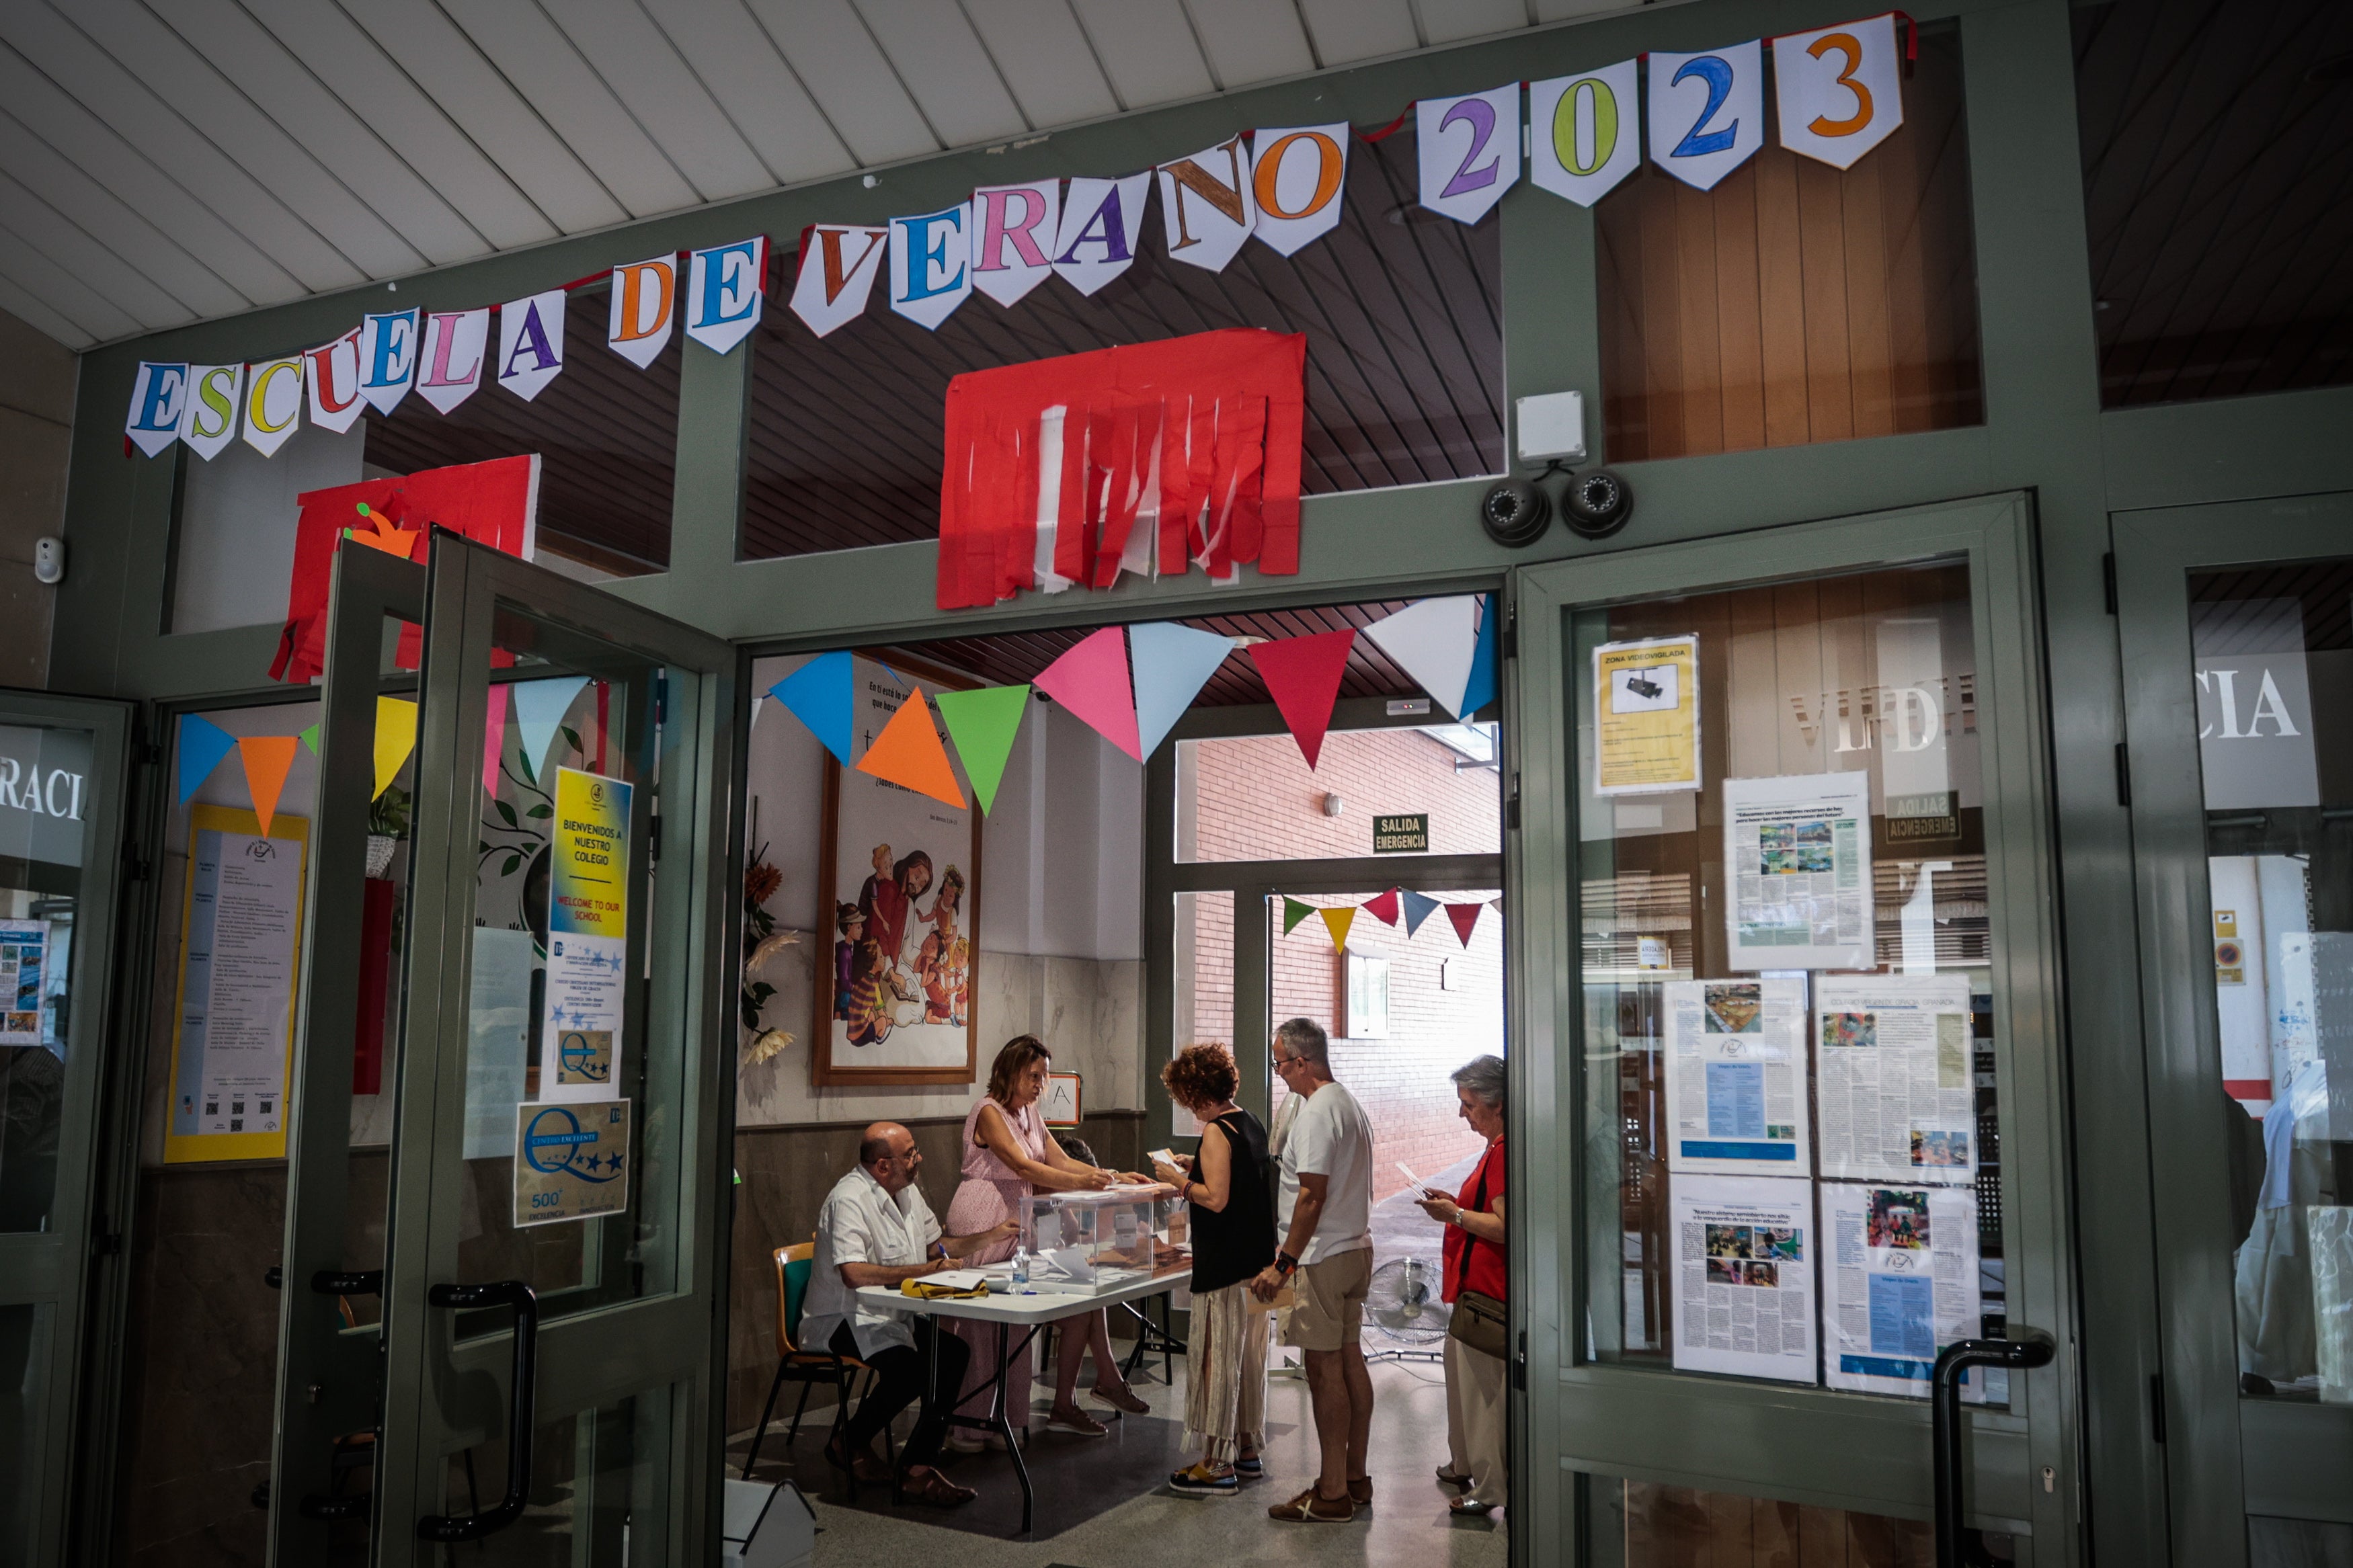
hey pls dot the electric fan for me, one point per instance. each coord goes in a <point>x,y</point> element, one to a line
<point>1403,1304</point>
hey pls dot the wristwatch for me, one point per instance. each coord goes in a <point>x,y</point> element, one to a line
<point>1285,1263</point>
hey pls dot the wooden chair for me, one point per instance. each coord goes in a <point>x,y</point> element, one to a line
<point>806,1367</point>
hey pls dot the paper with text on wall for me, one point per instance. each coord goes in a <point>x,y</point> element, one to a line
<point>23,946</point>
<point>580,1046</point>
<point>1797,852</point>
<point>1901,1283</point>
<point>1736,1077</point>
<point>572,1161</point>
<point>1744,1293</point>
<point>1895,1079</point>
<point>1646,716</point>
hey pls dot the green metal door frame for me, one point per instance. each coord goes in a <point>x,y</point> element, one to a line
<point>1809,1444</point>
<point>2227,1456</point>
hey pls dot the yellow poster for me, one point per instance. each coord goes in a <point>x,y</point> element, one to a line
<point>1646,716</point>
<point>581,1049</point>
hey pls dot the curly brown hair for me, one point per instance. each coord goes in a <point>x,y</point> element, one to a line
<point>1011,1062</point>
<point>1201,1075</point>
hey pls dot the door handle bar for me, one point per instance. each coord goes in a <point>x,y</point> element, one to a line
<point>504,1293</point>
<point>1958,1546</point>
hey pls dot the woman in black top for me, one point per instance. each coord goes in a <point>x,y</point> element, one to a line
<point>1232,1233</point>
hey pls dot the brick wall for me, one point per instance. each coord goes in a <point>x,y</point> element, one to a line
<point>1254,799</point>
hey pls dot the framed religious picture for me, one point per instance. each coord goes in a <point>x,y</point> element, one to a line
<point>899,882</point>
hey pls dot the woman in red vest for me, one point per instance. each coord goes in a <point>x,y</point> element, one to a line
<point>1477,1364</point>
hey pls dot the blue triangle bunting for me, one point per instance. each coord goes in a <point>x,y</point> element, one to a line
<point>1418,909</point>
<point>1171,664</point>
<point>538,707</point>
<point>203,744</point>
<point>818,694</point>
<point>1480,690</point>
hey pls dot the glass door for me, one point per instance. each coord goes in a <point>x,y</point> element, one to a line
<point>546,1358</point>
<point>1798,1009</point>
<point>63,773</point>
<point>2237,632</point>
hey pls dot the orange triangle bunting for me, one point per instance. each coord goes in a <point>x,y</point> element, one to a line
<point>907,753</point>
<point>266,760</point>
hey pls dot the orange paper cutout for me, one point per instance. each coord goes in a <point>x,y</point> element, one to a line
<point>266,760</point>
<point>390,540</point>
<point>907,753</point>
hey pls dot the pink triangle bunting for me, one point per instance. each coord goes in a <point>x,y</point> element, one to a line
<point>1383,908</point>
<point>1090,681</point>
<point>1303,674</point>
<point>1465,918</point>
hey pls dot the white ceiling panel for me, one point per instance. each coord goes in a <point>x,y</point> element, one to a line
<point>165,161</point>
<point>766,102</point>
<point>643,70</point>
<point>484,108</point>
<point>102,88</point>
<point>541,64</point>
<point>1249,40</point>
<point>241,128</point>
<point>1344,31</point>
<point>1044,59</point>
<point>837,58</point>
<point>1146,47</point>
<point>941,59</point>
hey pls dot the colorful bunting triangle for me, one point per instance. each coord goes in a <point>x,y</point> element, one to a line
<point>1434,641</point>
<point>1337,922</point>
<point>907,753</point>
<point>266,760</point>
<point>983,724</point>
<point>1383,908</point>
<point>495,740</point>
<point>539,710</point>
<point>757,703</point>
<point>1303,676</point>
<point>1465,918</point>
<point>1171,663</point>
<point>1293,911</point>
<point>818,694</point>
<point>1418,909</point>
<point>396,737</point>
<point>1480,688</point>
<point>203,744</point>
<point>308,735</point>
<point>1090,681</point>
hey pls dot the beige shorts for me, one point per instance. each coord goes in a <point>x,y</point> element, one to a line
<point>1330,1310</point>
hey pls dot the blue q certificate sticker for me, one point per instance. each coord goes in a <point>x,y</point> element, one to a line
<point>572,1161</point>
<point>587,939</point>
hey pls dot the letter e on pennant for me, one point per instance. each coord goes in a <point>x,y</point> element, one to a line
<point>724,292</point>
<point>157,396</point>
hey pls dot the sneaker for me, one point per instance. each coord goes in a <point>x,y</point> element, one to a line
<point>1360,1491</point>
<point>1077,1423</point>
<point>1308,1508</point>
<point>1200,1480</point>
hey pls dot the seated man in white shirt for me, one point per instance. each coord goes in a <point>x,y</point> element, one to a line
<point>876,1230</point>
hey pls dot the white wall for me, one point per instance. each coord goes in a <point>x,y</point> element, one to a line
<point>235,548</point>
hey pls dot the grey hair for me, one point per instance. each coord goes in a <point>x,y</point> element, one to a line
<point>1483,1076</point>
<point>1307,1041</point>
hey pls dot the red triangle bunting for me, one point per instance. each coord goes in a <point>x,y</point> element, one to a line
<point>1465,918</point>
<point>1383,908</point>
<point>1303,676</point>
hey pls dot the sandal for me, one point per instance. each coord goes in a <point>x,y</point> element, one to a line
<point>1120,1398</point>
<point>1076,1422</point>
<point>1200,1480</point>
<point>936,1490</point>
<point>1250,1466</point>
<point>1468,1508</point>
<point>1446,1478</point>
<point>862,1468</point>
<point>1312,1507</point>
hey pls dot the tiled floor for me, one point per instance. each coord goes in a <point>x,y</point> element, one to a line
<point>1104,1501</point>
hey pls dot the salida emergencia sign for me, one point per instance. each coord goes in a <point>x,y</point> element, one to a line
<point>1407,834</point>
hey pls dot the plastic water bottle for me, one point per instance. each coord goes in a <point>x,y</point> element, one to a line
<point>1020,1268</point>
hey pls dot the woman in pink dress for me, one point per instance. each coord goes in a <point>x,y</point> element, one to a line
<point>1008,1154</point>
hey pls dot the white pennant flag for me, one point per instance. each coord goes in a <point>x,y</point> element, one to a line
<point>838,268</point>
<point>726,289</point>
<point>1206,206</point>
<point>1299,180</point>
<point>1839,90</point>
<point>1470,151</point>
<point>157,396</point>
<point>530,343</point>
<point>209,423</point>
<point>644,301</point>
<point>273,403</point>
<point>456,344</point>
<point>1585,133</point>
<point>1434,641</point>
<point>387,358</point>
<point>332,373</point>
<point>930,264</point>
<point>1102,221</point>
<point>1707,112</point>
<point>1013,229</point>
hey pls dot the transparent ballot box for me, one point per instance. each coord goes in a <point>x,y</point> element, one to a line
<point>1087,1241</point>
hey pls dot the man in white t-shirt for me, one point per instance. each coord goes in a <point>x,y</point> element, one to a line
<point>1323,1146</point>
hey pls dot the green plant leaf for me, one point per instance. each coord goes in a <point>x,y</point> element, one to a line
<point>509,869</point>
<point>573,736</point>
<point>506,812</point>
<point>541,811</point>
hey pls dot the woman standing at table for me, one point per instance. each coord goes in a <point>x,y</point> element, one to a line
<point>1232,1231</point>
<point>1477,1460</point>
<point>1008,1156</point>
